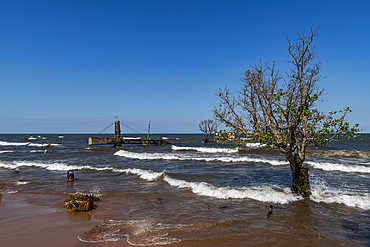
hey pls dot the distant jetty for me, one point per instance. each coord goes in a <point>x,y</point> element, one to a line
<point>118,141</point>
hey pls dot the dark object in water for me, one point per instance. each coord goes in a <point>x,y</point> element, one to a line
<point>270,210</point>
<point>80,203</point>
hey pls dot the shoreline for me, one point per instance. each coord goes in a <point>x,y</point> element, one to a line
<point>23,224</point>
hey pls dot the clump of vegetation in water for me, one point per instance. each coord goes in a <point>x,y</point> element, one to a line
<point>80,203</point>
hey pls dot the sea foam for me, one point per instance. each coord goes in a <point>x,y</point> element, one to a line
<point>43,144</point>
<point>2,143</point>
<point>207,149</point>
<point>49,166</point>
<point>8,165</point>
<point>22,182</point>
<point>185,156</point>
<point>30,144</point>
<point>321,192</point>
<point>144,174</point>
<point>138,232</point>
<point>269,194</point>
<point>264,194</point>
<point>255,145</point>
<point>338,167</point>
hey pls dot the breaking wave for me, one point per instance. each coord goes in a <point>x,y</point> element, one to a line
<point>2,143</point>
<point>30,144</point>
<point>270,194</point>
<point>42,144</point>
<point>144,174</point>
<point>49,166</point>
<point>321,192</point>
<point>263,194</point>
<point>181,156</point>
<point>35,138</point>
<point>326,166</point>
<point>207,149</point>
<point>255,145</point>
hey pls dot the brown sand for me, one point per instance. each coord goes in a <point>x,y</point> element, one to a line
<point>22,224</point>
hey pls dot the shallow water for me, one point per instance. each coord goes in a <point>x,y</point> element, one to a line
<point>196,194</point>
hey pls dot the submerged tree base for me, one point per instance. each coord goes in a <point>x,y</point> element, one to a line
<point>301,185</point>
<point>80,203</point>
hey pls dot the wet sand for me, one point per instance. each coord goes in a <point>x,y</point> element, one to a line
<point>23,224</point>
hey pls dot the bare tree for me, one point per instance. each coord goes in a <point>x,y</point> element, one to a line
<point>208,127</point>
<point>280,111</point>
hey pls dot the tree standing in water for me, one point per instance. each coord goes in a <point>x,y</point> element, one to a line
<point>280,111</point>
<point>208,127</point>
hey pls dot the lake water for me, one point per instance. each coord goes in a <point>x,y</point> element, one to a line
<point>196,194</point>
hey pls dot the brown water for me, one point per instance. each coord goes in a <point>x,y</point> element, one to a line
<point>194,195</point>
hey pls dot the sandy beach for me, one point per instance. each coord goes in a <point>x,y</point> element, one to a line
<point>23,224</point>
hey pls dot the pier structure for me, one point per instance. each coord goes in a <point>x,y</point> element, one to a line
<point>117,141</point>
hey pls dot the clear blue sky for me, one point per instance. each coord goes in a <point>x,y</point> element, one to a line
<point>72,66</point>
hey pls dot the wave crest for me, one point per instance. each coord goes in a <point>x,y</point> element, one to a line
<point>264,194</point>
<point>206,149</point>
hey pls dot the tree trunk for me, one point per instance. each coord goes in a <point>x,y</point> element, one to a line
<point>301,182</point>
<point>206,135</point>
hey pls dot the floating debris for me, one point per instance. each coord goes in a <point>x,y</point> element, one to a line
<point>80,203</point>
<point>318,237</point>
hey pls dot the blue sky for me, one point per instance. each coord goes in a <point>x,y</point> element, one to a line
<point>72,66</point>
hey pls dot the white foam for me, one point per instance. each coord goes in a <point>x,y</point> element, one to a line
<point>264,194</point>
<point>338,167</point>
<point>22,182</point>
<point>94,191</point>
<point>141,233</point>
<point>147,156</point>
<point>254,145</point>
<point>38,151</point>
<point>323,193</point>
<point>8,191</point>
<point>145,174</point>
<point>54,166</point>
<point>30,144</point>
<point>49,166</point>
<point>207,149</point>
<point>42,144</point>
<point>2,143</point>
<point>180,156</point>
<point>8,165</point>
<point>6,151</point>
